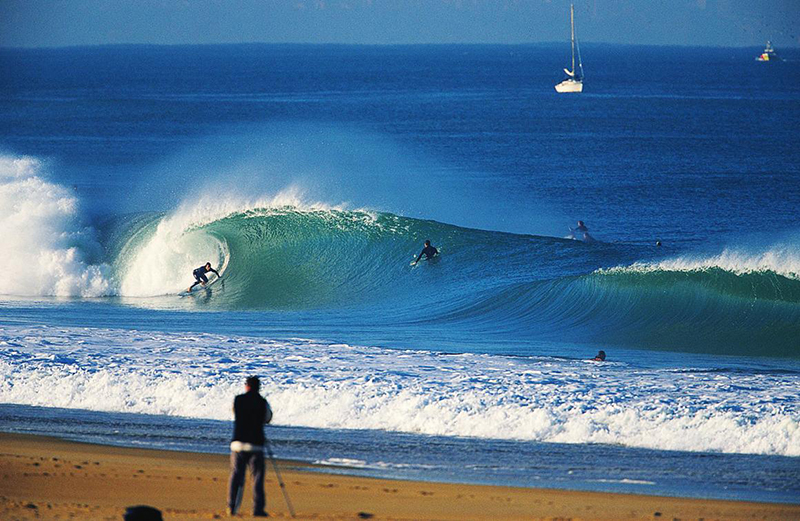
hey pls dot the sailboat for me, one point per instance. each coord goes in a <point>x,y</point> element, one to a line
<point>574,81</point>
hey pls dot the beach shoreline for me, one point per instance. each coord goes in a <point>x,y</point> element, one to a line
<point>50,478</point>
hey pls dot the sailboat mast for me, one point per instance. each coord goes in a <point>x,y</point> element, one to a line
<point>574,80</point>
<point>572,25</point>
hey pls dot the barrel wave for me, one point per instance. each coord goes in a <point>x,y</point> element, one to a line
<point>322,259</point>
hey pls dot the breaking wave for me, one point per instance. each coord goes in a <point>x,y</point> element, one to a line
<point>283,253</point>
<point>339,386</point>
<point>48,248</point>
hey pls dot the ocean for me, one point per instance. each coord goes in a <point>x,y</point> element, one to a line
<point>310,177</point>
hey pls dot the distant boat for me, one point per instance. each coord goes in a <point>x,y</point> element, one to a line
<point>769,54</point>
<point>574,81</point>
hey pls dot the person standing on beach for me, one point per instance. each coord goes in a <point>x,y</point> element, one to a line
<point>251,412</point>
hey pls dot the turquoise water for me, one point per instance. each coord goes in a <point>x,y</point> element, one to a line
<point>310,175</point>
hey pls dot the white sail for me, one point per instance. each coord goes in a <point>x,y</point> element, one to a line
<point>570,74</point>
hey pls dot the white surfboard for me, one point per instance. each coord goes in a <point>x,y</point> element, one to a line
<point>197,289</point>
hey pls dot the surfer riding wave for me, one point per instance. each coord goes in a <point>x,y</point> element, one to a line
<point>200,276</point>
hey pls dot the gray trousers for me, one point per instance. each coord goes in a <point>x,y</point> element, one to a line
<point>239,462</point>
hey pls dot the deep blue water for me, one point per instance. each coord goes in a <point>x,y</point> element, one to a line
<point>311,175</point>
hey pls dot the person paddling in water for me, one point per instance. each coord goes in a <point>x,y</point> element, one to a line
<point>200,276</point>
<point>429,252</point>
<point>582,230</point>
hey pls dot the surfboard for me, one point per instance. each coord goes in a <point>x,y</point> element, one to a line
<point>197,289</point>
<point>432,260</point>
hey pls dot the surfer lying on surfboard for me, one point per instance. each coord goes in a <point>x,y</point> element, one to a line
<point>429,252</point>
<point>200,276</point>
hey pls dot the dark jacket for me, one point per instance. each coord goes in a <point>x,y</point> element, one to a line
<point>429,252</point>
<point>251,412</point>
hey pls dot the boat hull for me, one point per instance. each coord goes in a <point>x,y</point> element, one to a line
<point>570,85</point>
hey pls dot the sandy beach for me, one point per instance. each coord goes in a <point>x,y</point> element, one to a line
<point>48,478</point>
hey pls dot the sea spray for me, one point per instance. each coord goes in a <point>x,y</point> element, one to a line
<point>48,247</point>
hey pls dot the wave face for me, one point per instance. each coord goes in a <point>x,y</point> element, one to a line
<point>338,386</point>
<point>271,257</point>
<point>292,256</point>
<point>710,310</point>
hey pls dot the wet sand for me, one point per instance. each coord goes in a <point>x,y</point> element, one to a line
<point>48,478</point>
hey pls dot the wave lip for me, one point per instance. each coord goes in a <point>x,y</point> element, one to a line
<point>762,284</point>
<point>778,257</point>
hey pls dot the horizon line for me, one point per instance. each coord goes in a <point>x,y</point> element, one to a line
<point>341,44</point>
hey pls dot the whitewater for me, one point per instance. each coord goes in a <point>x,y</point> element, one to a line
<point>339,386</point>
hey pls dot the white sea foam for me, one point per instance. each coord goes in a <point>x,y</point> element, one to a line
<point>361,464</point>
<point>46,244</point>
<point>625,481</point>
<point>342,462</point>
<point>781,256</point>
<point>349,387</point>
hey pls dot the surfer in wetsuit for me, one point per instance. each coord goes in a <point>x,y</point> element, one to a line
<point>200,276</point>
<point>582,229</point>
<point>429,252</point>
